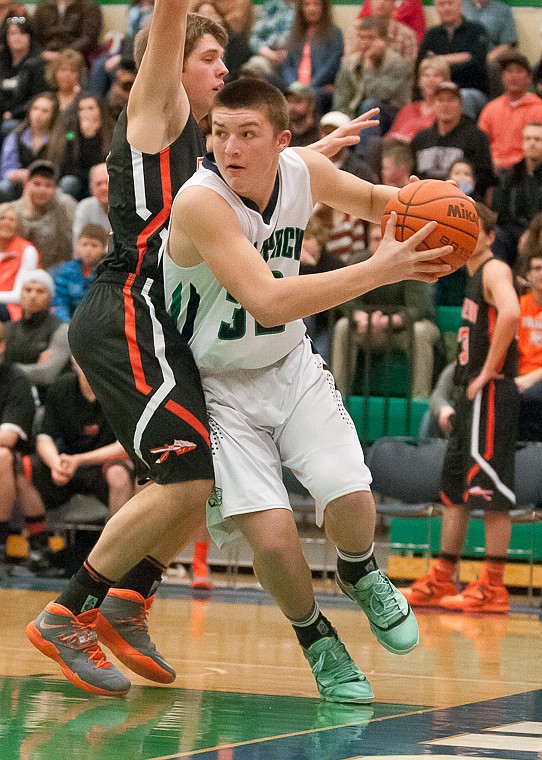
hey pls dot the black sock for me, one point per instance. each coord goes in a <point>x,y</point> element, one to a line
<point>313,628</point>
<point>351,570</point>
<point>144,577</point>
<point>86,590</point>
<point>4,532</point>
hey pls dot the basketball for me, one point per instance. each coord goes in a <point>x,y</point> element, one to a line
<point>431,200</point>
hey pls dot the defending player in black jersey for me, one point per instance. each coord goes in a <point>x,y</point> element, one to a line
<point>479,465</point>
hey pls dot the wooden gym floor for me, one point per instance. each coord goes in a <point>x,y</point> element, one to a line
<point>473,688</point>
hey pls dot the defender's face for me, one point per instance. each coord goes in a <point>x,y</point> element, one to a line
<point>246,149</point>
<point>203,75</point>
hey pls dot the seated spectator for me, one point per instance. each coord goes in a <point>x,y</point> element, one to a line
<point>93,210</point>
<point>17,47</point>
<point>38,342</point>
<point>314,259</point>
<point>73,278</point>
<point>46,214</point>
<point>104,67</point>
<point>464,44</point>
<point>498,20</point>
<point>396,163</point>
<point>441,406</point>
<point>420,115</point>
<point>303,116</point>
<point>345,233</point>
<point>271,31</point>
<point>237,50</point>
<point>374,76</point>
<point>17,257</point>
<point>11,10</point>
<point>117,97</point>
<point>31,140</point>
<point>64,75</point>
<point>530,245</point>
<point>76,24</point>
<point>453,137</point>
<point>519,196</point>
<point>17,411</point>
<point>504,117</point>
<point>398,306</point>
<point>409,12</point>
<point>76,449</point>
<point>315,48</point>
<point>529,379</point>
<point>238,14</point>
<point>400,38</point>
<point>86,146</point>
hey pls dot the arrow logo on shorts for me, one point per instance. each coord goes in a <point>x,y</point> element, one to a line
<point>178,447</point>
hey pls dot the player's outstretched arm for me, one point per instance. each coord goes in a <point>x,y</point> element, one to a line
<point>346,136</point>
<point>158,107</point>
<point>202,220</point>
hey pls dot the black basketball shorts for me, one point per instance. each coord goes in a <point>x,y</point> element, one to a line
<point>478,467</point>
<point>144,377</point>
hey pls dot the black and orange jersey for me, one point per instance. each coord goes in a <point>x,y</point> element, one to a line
<point>475,334</point>
<point>142,187</point>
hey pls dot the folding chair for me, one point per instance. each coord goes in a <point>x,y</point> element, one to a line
<point>406,475</point>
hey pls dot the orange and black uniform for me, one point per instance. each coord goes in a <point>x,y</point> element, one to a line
<point>138,365</point>
<point>479,464</point>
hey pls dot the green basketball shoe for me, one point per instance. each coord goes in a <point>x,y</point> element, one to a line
<point>337,676</point>
<point>390,615</point>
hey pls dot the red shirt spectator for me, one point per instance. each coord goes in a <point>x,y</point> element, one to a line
<point>409,12</point>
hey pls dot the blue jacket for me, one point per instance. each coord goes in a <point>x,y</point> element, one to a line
<point>70,287</point>
<point>325,60</point>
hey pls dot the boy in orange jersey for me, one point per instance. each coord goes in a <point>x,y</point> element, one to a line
<point>529,379</point>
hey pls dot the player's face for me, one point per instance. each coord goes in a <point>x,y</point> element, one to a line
<point>247,149</point>
<point>203,75</point>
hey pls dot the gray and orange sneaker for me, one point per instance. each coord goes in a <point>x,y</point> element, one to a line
<point>71,641</point>
<point>122,626</point>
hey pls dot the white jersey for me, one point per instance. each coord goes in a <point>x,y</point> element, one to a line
<point>220,332</point>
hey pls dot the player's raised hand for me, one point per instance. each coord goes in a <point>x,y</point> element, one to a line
<point>401,261</point>
<point>347,135</point>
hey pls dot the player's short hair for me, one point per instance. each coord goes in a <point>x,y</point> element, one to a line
<point>400,151</point>
<point>253,93</point>
<point>196,27</point>
<point>487,217</point>
<point>94,232</point>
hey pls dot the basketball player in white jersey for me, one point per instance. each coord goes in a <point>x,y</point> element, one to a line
<point>234,246</point>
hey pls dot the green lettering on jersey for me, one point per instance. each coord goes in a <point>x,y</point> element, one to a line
<point>285,243</point>
<point>237,327</point>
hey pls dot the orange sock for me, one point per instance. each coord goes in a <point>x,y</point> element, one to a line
<point>445,569</point>
<point>199,560</point>
<point>494,569</point>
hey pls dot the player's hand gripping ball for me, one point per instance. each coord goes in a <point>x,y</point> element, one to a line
<point>431,200</point>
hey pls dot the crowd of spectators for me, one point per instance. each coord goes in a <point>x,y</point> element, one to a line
<point>457,99</point>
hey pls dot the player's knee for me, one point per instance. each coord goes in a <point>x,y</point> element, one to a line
<point>6,460</point>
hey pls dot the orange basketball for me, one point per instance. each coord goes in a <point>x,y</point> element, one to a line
<point>435,200</point>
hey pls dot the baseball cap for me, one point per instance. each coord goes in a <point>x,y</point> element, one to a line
<point>448,87</point>
<point>43,169</point>
<point>299,90</point>
<point>334,119</point>
<point>515,57</point>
